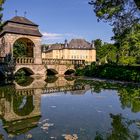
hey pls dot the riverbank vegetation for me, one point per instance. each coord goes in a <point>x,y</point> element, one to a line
<point>108,71</point>
<point>121,59</point>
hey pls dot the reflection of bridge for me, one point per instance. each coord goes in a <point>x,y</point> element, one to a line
<point>20,105</point>
<point>21,34</point>
<point>62,89</point>
<point>41,87</point>
<point>20,94</point>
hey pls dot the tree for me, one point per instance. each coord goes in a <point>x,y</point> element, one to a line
<point>128,45</point>
<point>121,14</point>
<point>124,17</point>
<point>1,9</point>
<point>98,45</point>
<point>106,53</point>
<point>20,49</point>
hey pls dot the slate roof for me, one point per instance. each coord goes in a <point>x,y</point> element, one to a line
<point>20,25</point>
<point>80,44</point>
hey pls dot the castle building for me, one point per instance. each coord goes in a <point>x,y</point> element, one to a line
<point>77,49</point>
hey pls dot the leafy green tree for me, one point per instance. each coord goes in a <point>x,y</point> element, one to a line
<point>98,45</point>
<point>121,14</point>
<point>20,49</point>
<point>107,53</point>
<point>1,9</point>
<point>124,17</point>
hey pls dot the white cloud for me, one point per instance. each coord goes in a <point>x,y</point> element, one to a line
<point>51,36</point>
<point>57,37</point>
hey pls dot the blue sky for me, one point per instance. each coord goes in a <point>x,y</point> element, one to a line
<point>60,19</point>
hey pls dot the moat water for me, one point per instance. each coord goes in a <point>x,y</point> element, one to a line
<point>58,107</point>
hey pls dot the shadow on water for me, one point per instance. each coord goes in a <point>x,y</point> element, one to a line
<point>20,107</point>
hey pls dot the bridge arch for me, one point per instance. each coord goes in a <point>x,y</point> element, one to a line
<point>51,72</point>
<point>23,47</point>
<point>28,71</point>
<point>69,72</point>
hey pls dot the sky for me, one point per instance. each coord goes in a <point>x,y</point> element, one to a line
<point>60,19</point>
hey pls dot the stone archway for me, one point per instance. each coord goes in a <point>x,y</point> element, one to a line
<point>23,47</point>
<point>27,71</point>
<point>69,72</point>
<point>51,72</point>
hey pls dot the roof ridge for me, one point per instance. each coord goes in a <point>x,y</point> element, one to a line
<point>22,20</point>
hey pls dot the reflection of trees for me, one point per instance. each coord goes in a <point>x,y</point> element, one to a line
<point>120,130</point>
<point>23,80</point>
<point>51,79</point>
<point>23,105</point>
<point>69,78</point>
<point>130,98</point>
<point>129,94</point>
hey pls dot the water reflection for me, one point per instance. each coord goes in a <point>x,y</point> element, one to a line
<point>23,106</point>
<point>120,129</point>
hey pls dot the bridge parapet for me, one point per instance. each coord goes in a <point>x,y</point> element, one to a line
<point>63,61</point>
<point>48,90</point>
<point>24,60</point>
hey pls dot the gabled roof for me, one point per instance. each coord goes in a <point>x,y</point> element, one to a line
<point>80,44</point>
<point>21,20</point>
<point>15,26</point>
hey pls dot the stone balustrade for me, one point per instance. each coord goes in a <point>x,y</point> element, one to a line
<point>63,62</point>
<point>25,60</point>
<point>62,89</point>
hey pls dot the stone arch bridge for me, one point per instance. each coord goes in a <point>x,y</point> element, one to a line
<point>58,66</point>
<point>20,48</point>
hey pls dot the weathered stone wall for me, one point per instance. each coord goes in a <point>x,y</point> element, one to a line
<point>10,39</point>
